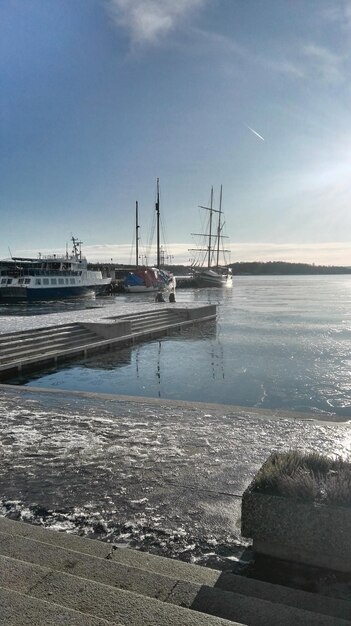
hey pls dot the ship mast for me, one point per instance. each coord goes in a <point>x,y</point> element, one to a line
<point>157,207</point>
<point>210,232</point>
<point>136,235</point>
<point>219,227</point>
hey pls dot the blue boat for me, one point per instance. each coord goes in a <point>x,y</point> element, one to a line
<point>50,277</point>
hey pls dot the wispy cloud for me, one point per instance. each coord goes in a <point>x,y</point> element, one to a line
<point>148,20</point>
<point>339,13</point>
<point>323,64</point>
<point>329,253</point>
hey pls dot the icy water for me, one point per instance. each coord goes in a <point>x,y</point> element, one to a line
<point>168,477</point>
<point>278,343</point>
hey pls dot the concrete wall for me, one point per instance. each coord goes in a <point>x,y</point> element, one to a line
<point>303,532</point>
<point>209,310</point>
<point>109,330</point>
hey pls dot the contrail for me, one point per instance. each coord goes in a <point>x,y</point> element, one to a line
<point>255,133</point>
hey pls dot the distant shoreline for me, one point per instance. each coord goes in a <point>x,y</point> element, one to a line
<point>247,268</point>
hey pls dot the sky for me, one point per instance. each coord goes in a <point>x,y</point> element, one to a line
<point>99,98</point>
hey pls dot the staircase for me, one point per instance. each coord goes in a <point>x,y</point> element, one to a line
<point>52,578</point>
<point>32,343</point>
<point>161,319</point>
<point>42,345</point>
<point>39,347</point>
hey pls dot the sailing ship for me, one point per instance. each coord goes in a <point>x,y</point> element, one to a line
<point>145,279</point>
<point>207,269</point>
<point>50,277</point>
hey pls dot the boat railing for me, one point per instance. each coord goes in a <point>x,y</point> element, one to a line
<point>40,272</point>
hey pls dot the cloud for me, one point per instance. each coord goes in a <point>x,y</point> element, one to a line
<point>330,253</point>
<point>148,20</point>
<point>323,63</point>
<point>338,13</point>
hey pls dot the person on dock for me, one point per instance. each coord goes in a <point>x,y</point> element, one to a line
<point>172,297</point>
<point>159,297</point>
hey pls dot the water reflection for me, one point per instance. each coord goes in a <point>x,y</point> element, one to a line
<point>158,368</point>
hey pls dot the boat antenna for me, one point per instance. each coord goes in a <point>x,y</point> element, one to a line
<point>157,207</point>
<point>77,248</point>
<point>10,252</point>
<point>136,235</point>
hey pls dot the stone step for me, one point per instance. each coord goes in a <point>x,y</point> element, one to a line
<point>36,331</point>
<point>17,609</point>
<point>198,588</point>
<point>97,600</point>
<point>78,334</point>
<point>144,316</point>
<point>49,347</point>
<point>288,596</point>
<point>138,327</point>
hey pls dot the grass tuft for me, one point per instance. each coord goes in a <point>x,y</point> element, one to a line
<point>312,477</point>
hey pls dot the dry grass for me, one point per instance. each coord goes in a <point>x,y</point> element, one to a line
<point>311,477</point>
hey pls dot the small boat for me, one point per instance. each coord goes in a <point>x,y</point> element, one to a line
<point>145,279</point>
<point>50,277</point>
<point>207,271</point>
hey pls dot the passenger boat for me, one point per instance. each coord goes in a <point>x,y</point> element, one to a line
<point>50,277</point>
<point>207,270</point>
<point>145,279</point>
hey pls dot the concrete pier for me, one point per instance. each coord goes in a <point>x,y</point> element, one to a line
<point>29,350</point>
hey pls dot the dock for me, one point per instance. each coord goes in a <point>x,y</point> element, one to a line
<point>47,346</point>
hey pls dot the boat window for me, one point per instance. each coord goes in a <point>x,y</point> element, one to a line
<point>20,281</point>
<point>3,281</point>
<point>61,281</point>
<point>45,281</point>
<point>27,280</point>
<point>72,281</point>
<point>9,281</point>
<point>38,281</point>
<point>66,279</point>
<point>53,281</point>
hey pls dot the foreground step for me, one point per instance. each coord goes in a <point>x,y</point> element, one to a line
<point>198,588</point>
<point>17,609</point>
<point>96,599</point>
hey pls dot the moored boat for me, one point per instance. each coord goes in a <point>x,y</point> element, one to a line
<point>50,277</point>
<point>207,270</point>
<point>145,279</point>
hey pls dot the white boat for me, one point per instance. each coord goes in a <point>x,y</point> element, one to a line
<point>145,279</point>
<point>207,270</point>
<point>50,277</point>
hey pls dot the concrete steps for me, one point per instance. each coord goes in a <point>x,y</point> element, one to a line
<point>24,345</point>
<point>43,570</point>
<point>156,319</point>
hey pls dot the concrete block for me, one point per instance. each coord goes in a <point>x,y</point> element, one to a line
<point>303,532</point>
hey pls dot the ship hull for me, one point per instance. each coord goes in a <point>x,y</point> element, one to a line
<point>211,278</point>
<point>30,294</point>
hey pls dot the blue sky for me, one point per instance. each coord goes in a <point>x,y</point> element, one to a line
<point>98,98</point>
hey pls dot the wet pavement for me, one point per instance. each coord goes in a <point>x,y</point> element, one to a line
<point>160,475</point>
